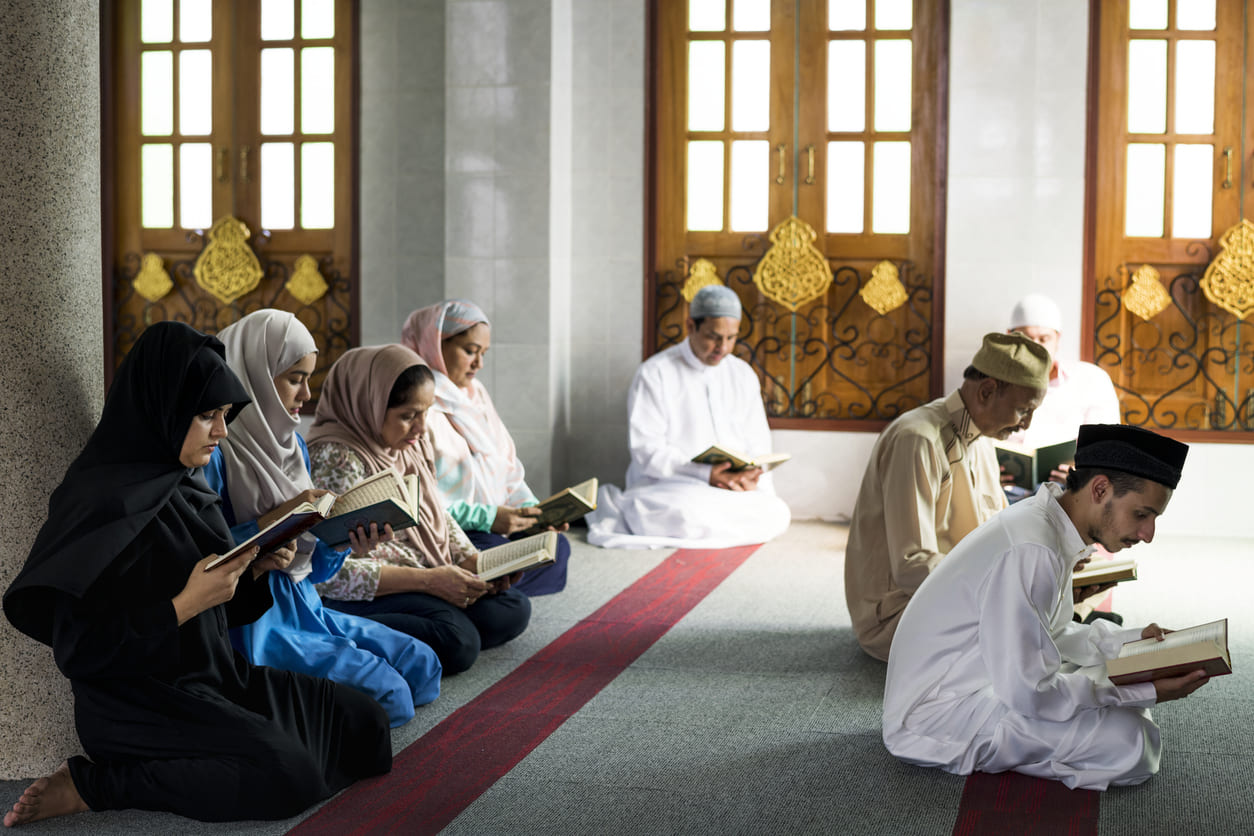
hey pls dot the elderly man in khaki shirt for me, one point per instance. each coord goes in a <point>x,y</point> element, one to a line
<point>932,479</point>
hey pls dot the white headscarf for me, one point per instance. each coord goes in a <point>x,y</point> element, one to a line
<point>264,466</point>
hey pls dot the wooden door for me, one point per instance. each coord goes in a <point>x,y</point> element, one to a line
<point>828,112</point>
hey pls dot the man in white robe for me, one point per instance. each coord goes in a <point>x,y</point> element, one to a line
<point>682,401</point>
<point>1078,393</point>
<point>931,480</point>
<point>988,672</point>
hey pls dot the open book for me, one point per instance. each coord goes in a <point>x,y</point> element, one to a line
<point>1202,647</point>
<point>384,498</point>
<point>517,556</point>
<point>566,506</point>
<point>1030,466</point>
<point>717,455</point>
<point>1105,571</point>
<point>283,530</point>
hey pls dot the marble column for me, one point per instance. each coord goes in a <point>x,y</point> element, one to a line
<point>51,333</point>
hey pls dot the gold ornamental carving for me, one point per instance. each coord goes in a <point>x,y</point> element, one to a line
<point>1229,280</point>
<point>306,284</point>
<point>227,267</point>
<point>884,292</point>
<point>1145,296</point>
<point>153,282</point>
<point>793,271</point>
<point>702,274</point>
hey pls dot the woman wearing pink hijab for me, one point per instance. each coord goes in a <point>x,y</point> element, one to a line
<point>476,464</point>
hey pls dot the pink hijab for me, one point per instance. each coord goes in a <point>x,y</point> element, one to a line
<point>494,475</point>
<point>351,411</point>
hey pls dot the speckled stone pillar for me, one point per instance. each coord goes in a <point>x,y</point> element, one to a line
<point>51,358</point>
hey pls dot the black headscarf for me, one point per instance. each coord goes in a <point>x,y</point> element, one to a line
<point>129,471</point>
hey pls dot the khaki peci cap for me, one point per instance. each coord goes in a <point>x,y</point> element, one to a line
<point>1013,358</point>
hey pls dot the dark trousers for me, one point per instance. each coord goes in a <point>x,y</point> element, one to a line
<point>544,580</point>
<point>455,634</point>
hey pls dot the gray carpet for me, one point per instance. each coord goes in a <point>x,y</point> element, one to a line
<point>757,713</point>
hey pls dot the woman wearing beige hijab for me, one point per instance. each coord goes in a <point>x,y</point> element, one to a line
<point>371,416</point>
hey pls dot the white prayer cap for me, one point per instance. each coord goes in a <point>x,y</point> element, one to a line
<point>715,300</point>
<point>1036,309</point>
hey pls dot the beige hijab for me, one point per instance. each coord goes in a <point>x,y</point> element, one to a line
<point>351,412</point>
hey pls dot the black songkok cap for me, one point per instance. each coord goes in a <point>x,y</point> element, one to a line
<point>1131,449</point>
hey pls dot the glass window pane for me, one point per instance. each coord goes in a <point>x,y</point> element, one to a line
<point>156,21</point>
<point>705,86</point>
<point>317,19</point>
<point>846,15</point>
<point>750,180</point>
<point>156,97</point>
<point>893,14</point>
<point>890,187</point>
<point>317,185</point>
<point>1147,87</point>
<point>846,186</point>
<point>196,185</point>
<point>278,185</point>
<point>277,88</point>
<point>156,186</point>
<point>278,20</point>
<point>751,85</point>
<point>846,85</point>
<point>1144,197</point>
<point>705,185</point>
<point>751,16</point>
<point>317,90</point>
<point>892,85</point>
<point>707,15</point>
<point>195,23</point>
<point>1195,87</point>
<point>196,92</point>
<point>1147,14</point>
<point>1195,15</point>
<point>1192,183</point>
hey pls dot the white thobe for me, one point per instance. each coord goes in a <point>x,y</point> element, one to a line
<point>989,673</point>
<point>1080,393</point>
<point>677,407</point>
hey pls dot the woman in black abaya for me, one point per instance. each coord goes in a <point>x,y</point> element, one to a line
<point>171,718</point>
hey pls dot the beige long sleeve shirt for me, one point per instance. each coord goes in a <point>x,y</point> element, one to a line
<point>932,480</point>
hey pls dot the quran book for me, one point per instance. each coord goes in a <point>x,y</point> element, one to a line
<point>1203,647</point>
<point>283,530</point>
<point>1030,466</point>
<point>517,556</point>
<point>1105,571</point>
<point>717,455</point>
<point>385,498</point>
<point>566,506</point>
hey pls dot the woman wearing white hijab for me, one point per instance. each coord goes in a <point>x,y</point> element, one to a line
<point>479,472</point>
<point>261,470</point>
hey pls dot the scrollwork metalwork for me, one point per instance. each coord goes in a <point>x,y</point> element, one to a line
<point>1186,369</point>
<point>833,358</point>
<point>328,318</point>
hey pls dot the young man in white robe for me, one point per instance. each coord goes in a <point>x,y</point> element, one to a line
<point>988,671</point>
<point>683,400</point>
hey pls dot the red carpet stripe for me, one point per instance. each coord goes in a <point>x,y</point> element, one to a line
<point>445,770</point>
<point>1010,803</point>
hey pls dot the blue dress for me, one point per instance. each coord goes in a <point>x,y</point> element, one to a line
<point>299,634</point>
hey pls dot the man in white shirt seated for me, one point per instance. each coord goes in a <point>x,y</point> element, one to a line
<point>1078,393</point>
<point>933,478</point>
<point>682,401</point>
<point>989,673</point>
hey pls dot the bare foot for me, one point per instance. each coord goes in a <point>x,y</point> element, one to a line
<point>52,795</point>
